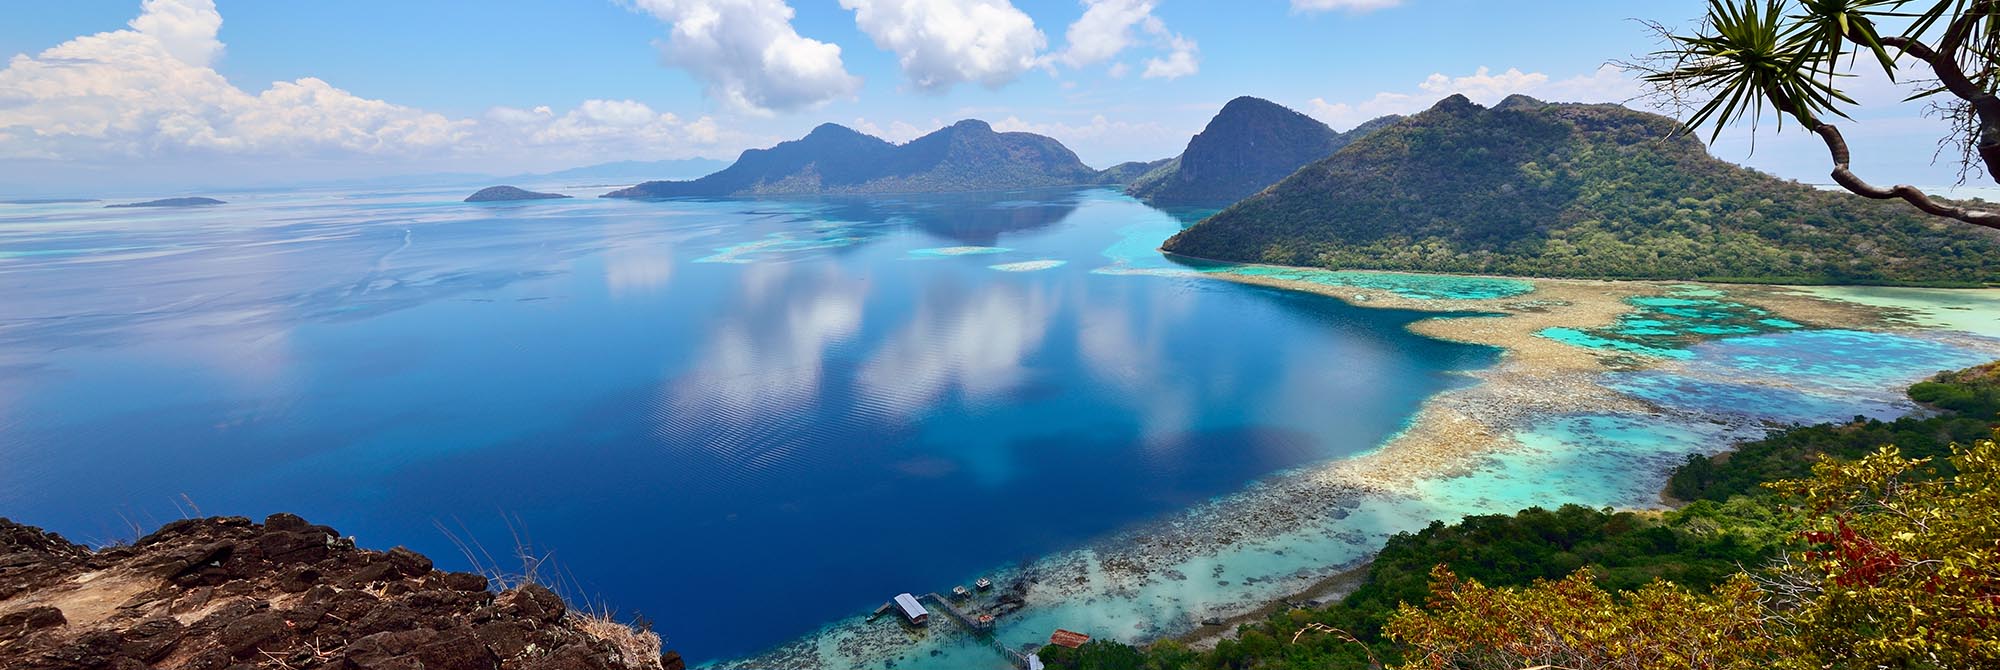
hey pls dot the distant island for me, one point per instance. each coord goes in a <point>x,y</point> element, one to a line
<point>835,160</point>
<point>1529,188</point>
<point>509,194</point>
<point>1251,144</point>
<point>171,202</point>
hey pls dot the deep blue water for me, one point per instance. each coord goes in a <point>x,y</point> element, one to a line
<point>739,419</point>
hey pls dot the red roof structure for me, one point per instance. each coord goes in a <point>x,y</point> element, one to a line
<point>1068,638</point>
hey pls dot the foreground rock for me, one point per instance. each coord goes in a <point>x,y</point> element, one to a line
<point>509,194</point>
<point>224,592</point>
<point>171,202</point>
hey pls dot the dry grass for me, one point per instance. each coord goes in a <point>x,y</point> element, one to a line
<point>640,648</point>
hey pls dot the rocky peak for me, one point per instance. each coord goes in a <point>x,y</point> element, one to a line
<point>226,592</point>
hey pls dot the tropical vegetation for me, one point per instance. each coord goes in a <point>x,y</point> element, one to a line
<point>1866,557</point>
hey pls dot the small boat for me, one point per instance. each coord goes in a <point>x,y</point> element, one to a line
<point>960,593</point>
<point>983,584</point>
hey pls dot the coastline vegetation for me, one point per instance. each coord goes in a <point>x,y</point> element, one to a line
<point>1817,546</point>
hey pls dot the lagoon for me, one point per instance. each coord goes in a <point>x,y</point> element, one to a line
<point>739,419</point>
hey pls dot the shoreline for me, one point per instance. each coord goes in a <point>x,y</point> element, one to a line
<point>1562,377</point>
<point>1713,281</point>
<point>1305,533</point>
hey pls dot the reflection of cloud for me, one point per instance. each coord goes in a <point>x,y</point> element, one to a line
<point>1123,349</point>
<point>749,398</point>
<point>972,345</point>
<point>638,265</point>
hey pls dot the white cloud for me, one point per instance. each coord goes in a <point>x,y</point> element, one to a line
<point>897,131</point>
<point>1109,27</point>
<point>149,93</point>
<point>185,29</point>
<point>1606,84</point>
<point>1103,141</point>
<point>942,43</point>
<point>1483,84</point>
<point>1098,127</point>
<point>597,128</point>
<point>1103,32</point>
<point>748,55</point>
<point>151,89</point>
<point>1356,6</point>
<point>1180,62</point>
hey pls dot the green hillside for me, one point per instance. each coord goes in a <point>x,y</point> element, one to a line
<point>1536,189</point>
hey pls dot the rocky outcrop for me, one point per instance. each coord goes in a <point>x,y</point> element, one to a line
<point>510,194</point>
<point>226,593</point>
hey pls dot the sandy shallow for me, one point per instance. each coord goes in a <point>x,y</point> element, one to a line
<point>1550,423</point>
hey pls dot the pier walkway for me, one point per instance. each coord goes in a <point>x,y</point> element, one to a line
<point>982,629</point>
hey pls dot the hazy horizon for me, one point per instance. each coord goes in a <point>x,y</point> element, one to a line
<point>130,96</point>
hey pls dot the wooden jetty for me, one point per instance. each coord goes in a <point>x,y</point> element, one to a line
<point>979,625</point>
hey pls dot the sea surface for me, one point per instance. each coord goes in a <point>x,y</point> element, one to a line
<point>741,420</point>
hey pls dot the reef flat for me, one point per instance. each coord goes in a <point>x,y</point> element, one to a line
<point>1601,389</point>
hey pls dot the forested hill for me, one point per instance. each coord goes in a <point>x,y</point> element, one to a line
<point>833,159</point>
<point>1252,143</point>
<point>1556,190</point>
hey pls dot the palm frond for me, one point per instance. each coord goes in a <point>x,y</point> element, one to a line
<point>1749,55</point>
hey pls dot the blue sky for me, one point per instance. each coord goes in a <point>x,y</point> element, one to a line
<point>253,90</point>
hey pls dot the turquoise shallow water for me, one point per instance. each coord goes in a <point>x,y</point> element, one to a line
<point>1799,377</point>
<point>1663,326</point>
<point>1733,370</point>
<point>1137,252</point>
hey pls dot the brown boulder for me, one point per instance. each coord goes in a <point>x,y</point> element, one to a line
<point>532,601</point>
<point>387,650</point>
<point>456,649</point>
<point>410,563</point>
<point>464,581</point>
<point>152,639</point>
<point>262,631</point>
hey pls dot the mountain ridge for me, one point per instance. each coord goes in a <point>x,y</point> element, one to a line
<point>1250,144</point>
<point>836,160</point>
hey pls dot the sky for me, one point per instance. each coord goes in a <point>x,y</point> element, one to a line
<point>167,94</point>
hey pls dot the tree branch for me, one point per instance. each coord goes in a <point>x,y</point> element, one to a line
<point>1837,145</point>
<point>1944,62</point>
